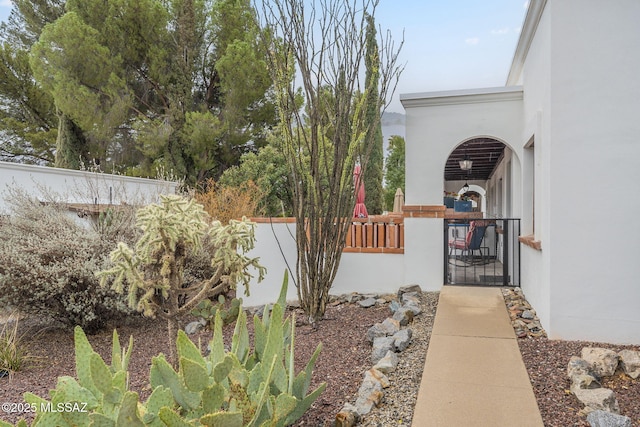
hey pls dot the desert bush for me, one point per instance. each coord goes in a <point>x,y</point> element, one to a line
<point>227,202</point>
<point>48,258</point>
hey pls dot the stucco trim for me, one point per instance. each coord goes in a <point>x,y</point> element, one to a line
<point>9,166</point>
<point>467,96</point>
<point>424,211</point>
<point>529,27</point>
<point>531,242</point>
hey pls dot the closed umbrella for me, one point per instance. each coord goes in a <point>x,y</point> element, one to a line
<point>360,210</point>
<point>398,201</point>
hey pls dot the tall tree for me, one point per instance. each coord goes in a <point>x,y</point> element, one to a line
<point>326,120</point>
<point>185,79</point>
<point>28,121</point>
<point>372,173</point>
<point>394,170</point>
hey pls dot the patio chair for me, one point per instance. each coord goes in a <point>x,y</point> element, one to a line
<point>471,243</point>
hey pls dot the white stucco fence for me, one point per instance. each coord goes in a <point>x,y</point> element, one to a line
<point>358,272</point>
<point>74,186</point>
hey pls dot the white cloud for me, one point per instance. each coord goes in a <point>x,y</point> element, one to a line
<point>526,4</point>
<point>500,31</point>
<point>472,41</point>
<point>6,3</point>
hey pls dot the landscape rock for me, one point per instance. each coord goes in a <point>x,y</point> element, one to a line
<point>348,416</point>
<point>410,298</point>
<point>584,381</point>
<point>394,306</point>
<point>630,362</point>
<point>366,303</point>
<point>388,363</point>
<point>604,362</point>
<point>403,315</point>
<point>381,345</point>
<point>408,288</point>
<point>375,331</point>
<point>402,339</point>
<point>578,366</point>
<point>414,308</point>
<point>388,327</point>
<point>352,297</point>
<point>528,314</point>
<point>192,327</point>
<point>601,418</point>
<point>375,375</point>
<point>598,398</point>
<point>369,395</point>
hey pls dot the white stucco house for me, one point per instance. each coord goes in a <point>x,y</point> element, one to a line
<point>556,150</point>
<point>568,118</point>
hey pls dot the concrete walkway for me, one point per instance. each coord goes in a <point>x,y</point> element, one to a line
<point>474,374</point>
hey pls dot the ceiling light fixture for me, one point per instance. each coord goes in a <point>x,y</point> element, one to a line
<point>466,163</point>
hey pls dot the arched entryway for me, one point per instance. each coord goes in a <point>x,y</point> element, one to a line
<point>479,235</point>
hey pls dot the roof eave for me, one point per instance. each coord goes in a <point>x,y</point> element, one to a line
<point>529,27</point>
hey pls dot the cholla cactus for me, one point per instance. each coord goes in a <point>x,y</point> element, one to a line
<point>153,271</point>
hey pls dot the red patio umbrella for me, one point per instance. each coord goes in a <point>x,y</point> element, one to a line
<point>360,210</point>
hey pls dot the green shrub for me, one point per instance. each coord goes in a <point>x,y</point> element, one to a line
<point>48,257</point>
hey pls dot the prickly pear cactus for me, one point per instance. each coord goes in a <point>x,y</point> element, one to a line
<point>244,386</point>
<point>207,310</point>
<point>100,395</point>
<point>239,387</point>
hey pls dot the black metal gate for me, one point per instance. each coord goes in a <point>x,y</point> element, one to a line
<point>482,252</point>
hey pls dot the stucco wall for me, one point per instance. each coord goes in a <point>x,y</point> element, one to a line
<point>358,272</point>
<point>594,149</point>
<point>436,124</point>
<point>80,187</point>
<point>536,279</point>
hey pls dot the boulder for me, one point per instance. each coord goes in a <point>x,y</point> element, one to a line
<point>410,298</point>
<point>193,327</point>
<point>578,366</point>
<point>414,308</point>
<point>528,314</point>
<point>348,416</point>
<point>366,303</point>
<point>403,315</point>
<point>381,345</point>
<point>402,339</point>
<point>601,418</point>
<point>375,331</point>
<point>630,362</point>
<point>604,362</point>
<point>394,306</point>
<point>408,288</point>
<point>375,375</point>
<point>369,395</point>
<point>388,363</point>
<point>584,381</point>
<point>598,398</point>
<point>388,327</point>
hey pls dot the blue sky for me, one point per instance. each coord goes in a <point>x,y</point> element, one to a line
<point>448,44</point>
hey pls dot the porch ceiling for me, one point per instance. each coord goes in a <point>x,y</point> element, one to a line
<point>485,154</point>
